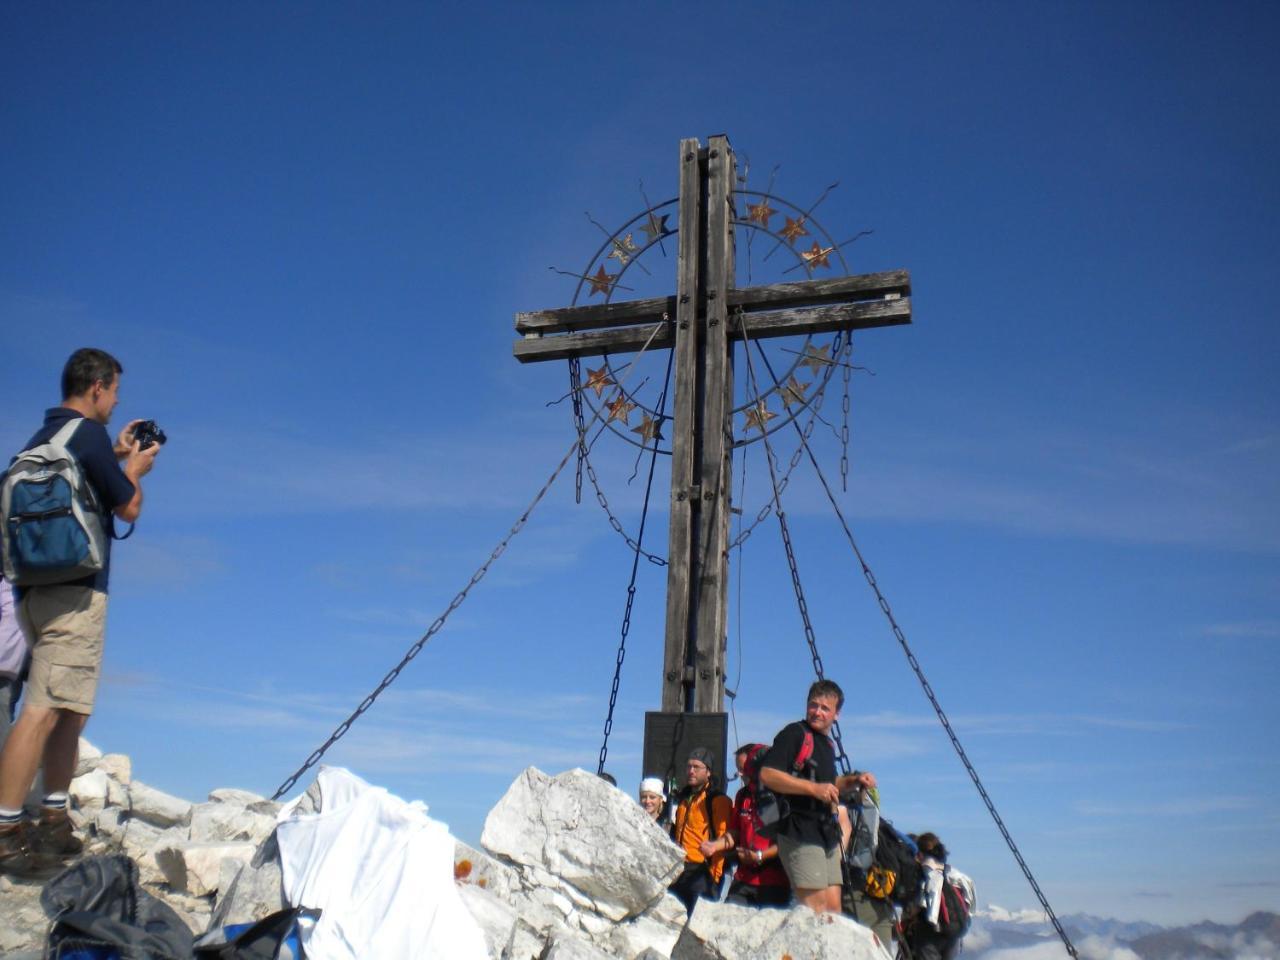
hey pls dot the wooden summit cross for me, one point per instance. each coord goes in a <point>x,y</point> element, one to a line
<point>701,323</point>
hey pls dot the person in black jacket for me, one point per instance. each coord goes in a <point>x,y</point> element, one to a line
<point>809,837</point>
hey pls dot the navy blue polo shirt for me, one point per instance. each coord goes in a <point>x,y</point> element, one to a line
<point>92,447</point>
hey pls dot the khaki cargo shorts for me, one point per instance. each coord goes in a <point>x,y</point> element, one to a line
<point>808,865</point>
<point>66,625</point>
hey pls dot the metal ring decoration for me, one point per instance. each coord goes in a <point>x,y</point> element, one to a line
<point>621,240</point>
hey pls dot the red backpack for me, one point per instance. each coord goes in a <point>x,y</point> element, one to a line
<point>771,809</point>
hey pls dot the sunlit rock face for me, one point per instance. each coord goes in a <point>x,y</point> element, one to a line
<point>568,868</point>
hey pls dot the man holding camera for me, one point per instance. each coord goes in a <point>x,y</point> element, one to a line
<point>66,623</point>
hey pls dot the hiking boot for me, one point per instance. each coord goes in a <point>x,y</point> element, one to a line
<point>53,838</point>
<point>16,856</point>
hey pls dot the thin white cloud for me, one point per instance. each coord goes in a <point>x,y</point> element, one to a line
<point>169,562</point>
<point>1248,629</point>
<point>1090,948</point>
<point>1178,807</point>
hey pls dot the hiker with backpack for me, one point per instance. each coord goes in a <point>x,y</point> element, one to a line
<point>701,818</point>
<point>59,498</point>
<point>759,880</point>
<point>801,767</point>
<point>937,921</point>
<point>871,857</point>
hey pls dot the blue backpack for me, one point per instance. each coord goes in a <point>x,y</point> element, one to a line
<point>54,529</point>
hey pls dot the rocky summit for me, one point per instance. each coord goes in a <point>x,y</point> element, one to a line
<point>569,868</point>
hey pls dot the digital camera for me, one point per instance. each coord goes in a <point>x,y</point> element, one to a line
<point>147,434</point>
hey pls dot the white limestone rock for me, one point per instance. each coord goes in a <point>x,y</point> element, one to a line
<point>89,792</point>
<point>235,795</point>
<point>527,942</point>
<point>156,807</point>
<point>589,835</point>
<point>24,924</point>
<point>141,841</point>
<point>497,920</point>
<point>477,867</point>
<point>255,893</point>
<point>668,910</point>
<point>118,767</point>
<point>87,757</point>
<point>218,821</point>
<point>805,935</point>
<point>574,948</point>
<point>110,826</point>
<point>195,868</point>
<point>643,933</point>
<point>725,931</point>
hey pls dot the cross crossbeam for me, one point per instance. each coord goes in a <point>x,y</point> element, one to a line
<point>702,322</point>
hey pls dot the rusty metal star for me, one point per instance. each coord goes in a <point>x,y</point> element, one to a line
<point>597,380</point>
<point>793,230</point>
<point>793,392</point>
<point>649,428</point>
<point>602,281</point>
<point>620,408</point>
<point>622,249</point>
<point>656,226</point>
<point>815,358</point>
<point>760,213</point>
<point>816,256</point>
<point>758,416</point>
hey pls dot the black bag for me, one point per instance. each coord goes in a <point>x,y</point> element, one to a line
<point>953,912</point>
<point>894,874</point>
<point>260,941</point>
<point>771,810</point>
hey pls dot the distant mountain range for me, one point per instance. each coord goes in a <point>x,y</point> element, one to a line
<point>999,934</point>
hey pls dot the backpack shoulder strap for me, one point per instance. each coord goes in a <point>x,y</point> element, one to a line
<point>805,751</point>
<point>66,431</point>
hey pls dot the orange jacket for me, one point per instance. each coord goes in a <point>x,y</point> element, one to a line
<point>689,828</point>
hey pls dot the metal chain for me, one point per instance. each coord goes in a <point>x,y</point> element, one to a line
<point>584,458</point>
<point>456,602</point>
<point>846,356</point>
<point>414,650</point>
<point>809,635</point>
<point>614,522</point>
<point>631,586</point>
<point>814,408</point>
<point>933,700</point>
<point>575,391</point>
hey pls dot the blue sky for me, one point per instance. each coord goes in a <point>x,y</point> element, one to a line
<point>305,231</point>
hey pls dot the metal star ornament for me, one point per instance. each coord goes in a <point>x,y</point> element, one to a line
<point>656,226</point>
<point>602,281</point>
<point>815,358</point>
<point>622,249</point>
<point>620,409</point>
<point>759,415</point>
<point>649,428</point>
<point>816,256</point>
<point>793,392</point>
<point>598,380</point>
<point>793,230</point>
<point>760,213</point>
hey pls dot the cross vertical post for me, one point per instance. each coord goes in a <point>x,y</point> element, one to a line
<point>701,442</point>
<point>701,323</point>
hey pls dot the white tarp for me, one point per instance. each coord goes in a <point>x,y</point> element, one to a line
<point>381,872</point>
